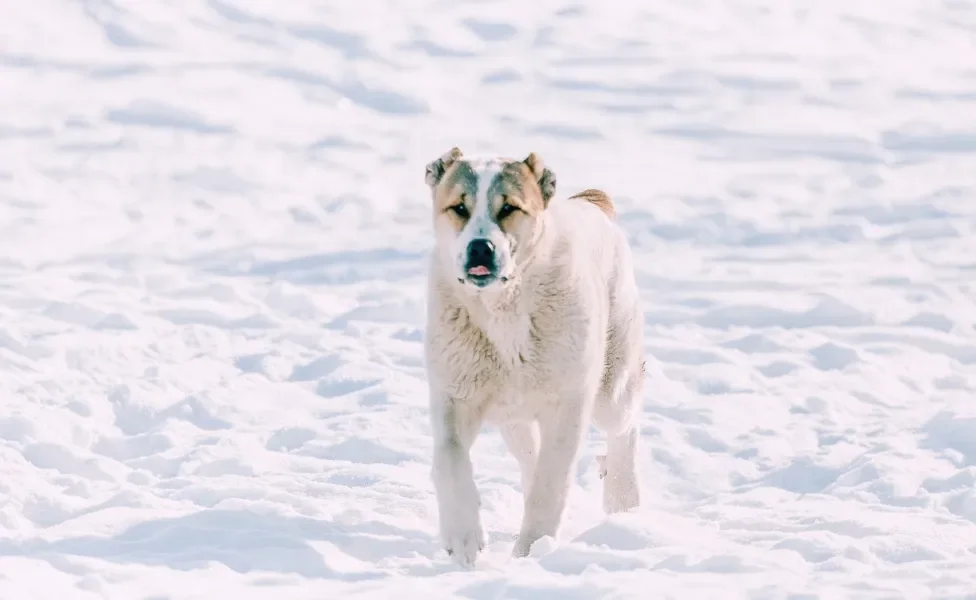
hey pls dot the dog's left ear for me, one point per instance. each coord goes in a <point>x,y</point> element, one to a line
<point>543,176</point>
<point>439,166</point>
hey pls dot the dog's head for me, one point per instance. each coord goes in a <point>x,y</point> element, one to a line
<point>487,210</point>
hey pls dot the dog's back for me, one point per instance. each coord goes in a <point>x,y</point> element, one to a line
<point>598,198</point>
<point>586,223</point>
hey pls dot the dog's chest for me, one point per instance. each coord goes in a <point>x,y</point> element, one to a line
<point>502,349</point>
<point>511,341</point>
<point>526,369</point>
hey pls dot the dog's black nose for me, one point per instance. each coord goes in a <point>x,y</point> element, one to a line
<point>481,253</point>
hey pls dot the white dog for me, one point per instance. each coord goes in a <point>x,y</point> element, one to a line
<point>534,324</point>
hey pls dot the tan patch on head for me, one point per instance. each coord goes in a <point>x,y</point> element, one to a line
<point>600,199</point>
<point>454,194</point>
<point>517,185</point>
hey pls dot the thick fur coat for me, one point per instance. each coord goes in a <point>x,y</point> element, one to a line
<point>534,325</point>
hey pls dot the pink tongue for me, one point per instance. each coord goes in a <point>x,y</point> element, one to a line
<point>478,271</point>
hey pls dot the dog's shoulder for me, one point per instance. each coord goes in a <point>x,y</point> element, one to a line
<point>590,212</point>
<point>586,236</point>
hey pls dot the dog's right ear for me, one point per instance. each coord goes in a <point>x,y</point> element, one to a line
<point>437,168</point>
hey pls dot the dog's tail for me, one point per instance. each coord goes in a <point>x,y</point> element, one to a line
<point>600,199</point>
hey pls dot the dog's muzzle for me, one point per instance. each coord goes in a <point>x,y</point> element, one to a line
<point>481,266</point>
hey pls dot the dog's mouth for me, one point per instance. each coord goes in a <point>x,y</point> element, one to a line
<point>481,276</point>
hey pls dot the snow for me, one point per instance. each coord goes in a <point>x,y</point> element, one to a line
<point>213,225</point>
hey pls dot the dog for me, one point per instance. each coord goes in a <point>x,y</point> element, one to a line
<point>534,324</point>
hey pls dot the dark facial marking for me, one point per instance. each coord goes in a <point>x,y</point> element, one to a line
<point>515,180</point>
<point>507,182</point>
<point>506,210</point>
<point>463,179</point>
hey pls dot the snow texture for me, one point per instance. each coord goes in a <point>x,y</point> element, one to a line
<point>213,226</point>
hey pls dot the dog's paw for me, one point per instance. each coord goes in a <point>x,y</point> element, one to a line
<point>621,492</point>
<point>622,501</point>
<point>464,545</point>
<point>460,520</point>
<point>521,548</point>
<point>536,545</point>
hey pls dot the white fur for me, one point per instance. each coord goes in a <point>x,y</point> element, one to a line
<point>481,224</point>
<point>541,355</point>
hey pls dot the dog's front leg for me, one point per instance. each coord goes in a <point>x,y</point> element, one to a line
<point>455,428</point>
<point>561,433</point>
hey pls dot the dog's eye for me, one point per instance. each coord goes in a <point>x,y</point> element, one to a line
<point>506,210</point>
<point>460,210</point>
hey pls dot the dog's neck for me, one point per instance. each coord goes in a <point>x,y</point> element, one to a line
<point>500,301</point>
<point>502,313</point>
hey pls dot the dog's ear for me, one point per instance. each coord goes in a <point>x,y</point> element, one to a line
<point>543,176</point>
<point>437,168</point>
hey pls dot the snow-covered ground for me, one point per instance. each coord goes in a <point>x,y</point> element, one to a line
<point>213,225</point>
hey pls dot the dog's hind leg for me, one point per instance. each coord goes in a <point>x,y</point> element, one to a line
<point>621,485</point>
<point>522,439</point>
<point>617,413</point>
